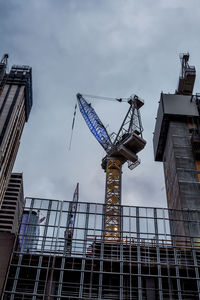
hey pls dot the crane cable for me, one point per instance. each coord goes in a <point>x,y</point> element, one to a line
<point>73,121</point>
<point>105,98</point>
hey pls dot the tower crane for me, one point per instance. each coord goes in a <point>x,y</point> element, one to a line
<point>120,148</point>
<point>187,76</point>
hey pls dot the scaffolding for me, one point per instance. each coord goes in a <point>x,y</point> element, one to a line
<point>148,262</point>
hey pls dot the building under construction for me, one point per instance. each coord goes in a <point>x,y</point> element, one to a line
<point>73,250</point>
<point>149,262</point>
<point>177,144</point>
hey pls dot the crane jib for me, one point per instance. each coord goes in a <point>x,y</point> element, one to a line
<point>94,123</point>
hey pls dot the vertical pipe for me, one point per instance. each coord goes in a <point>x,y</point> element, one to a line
<point>138,254</point>
<point>174,238</point>
<point>158,255</point>
<point>101,253</point>
<point>121,253</point>
<point>37,277</point>
<point>84,252</point>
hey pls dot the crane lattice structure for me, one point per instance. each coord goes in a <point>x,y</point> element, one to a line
<point>187,76</point>
<point>123,148</point>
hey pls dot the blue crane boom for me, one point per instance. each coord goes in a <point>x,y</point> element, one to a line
<point>94,123</point>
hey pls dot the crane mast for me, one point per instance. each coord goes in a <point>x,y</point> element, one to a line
<point>127,143</point>
<point>112,217</point>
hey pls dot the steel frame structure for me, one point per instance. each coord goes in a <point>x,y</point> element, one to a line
<point>148,263</point>
<point>132,120</point>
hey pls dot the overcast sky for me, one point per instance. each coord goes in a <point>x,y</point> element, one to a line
<point>112,48</point>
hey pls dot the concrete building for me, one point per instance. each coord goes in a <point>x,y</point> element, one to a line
<point>177,145</point>
<point>15,106</point>
<point>10,218</point>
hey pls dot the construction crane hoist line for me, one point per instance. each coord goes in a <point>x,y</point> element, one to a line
<point>123,148</point>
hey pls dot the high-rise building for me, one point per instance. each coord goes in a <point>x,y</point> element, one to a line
<point>177,145</point>
<point>10,217</point>
<point>15,106</point>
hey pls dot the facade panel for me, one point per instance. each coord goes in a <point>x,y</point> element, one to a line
<point>171,107</point>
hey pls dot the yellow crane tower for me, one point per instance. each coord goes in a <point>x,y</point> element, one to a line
<point>122,148</point>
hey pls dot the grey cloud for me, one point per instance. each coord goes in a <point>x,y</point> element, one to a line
<point>111,48</point>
